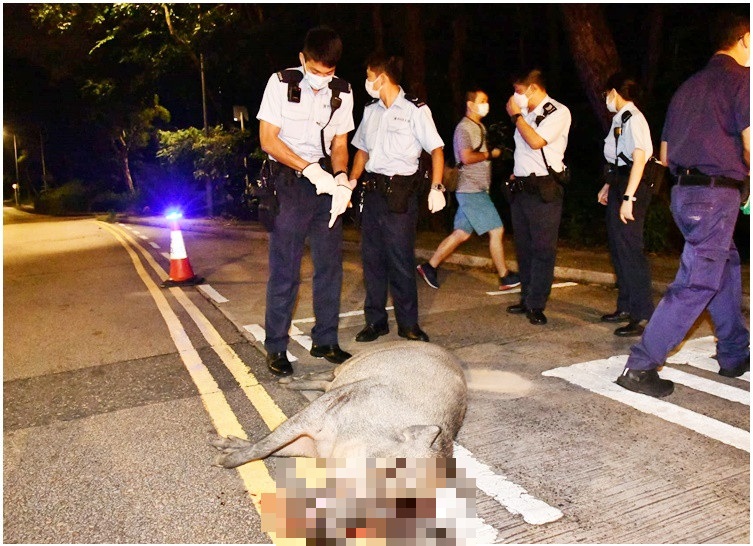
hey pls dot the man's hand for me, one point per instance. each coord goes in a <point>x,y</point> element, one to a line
<point>512,107</point>
<point>436,201</point>
<point>340,197</point>
<point>324,182</point>
<point>603,194</point>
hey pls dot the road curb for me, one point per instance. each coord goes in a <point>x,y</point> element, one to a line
<point>466,260</point>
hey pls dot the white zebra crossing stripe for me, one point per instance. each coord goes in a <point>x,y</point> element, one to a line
<point>598,376</point>
<point>212,293</point>
<point>517,290</point>
<point>697,353</point>
<point>260,335</point>
<point>514,498</point>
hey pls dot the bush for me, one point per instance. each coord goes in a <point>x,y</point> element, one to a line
<point>70,198</point>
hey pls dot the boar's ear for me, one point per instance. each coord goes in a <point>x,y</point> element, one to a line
<point>422,434</point>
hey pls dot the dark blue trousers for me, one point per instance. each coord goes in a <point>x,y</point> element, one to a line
<point>536,225</point>
<point>303,214</point>
<point>708,278</point>
<point>388,242</point>
<point>626,249</point>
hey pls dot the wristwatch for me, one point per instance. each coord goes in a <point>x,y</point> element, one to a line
<point>438,187</point>
<point>629,198</point>
<point>514,117</point>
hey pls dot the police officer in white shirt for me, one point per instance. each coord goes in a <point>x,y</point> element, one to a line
<point>627,148</point>
<point>394,130</point>
<point>542,125</point>
<point>305,116</point>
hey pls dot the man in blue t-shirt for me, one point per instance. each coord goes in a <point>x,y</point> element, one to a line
<point>706,144</point>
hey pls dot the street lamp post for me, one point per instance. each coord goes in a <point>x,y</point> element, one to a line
<point>17,185</point>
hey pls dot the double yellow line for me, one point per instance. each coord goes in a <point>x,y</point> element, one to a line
<point>255,475</point>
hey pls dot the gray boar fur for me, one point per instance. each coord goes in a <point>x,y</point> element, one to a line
<point>399,399</point>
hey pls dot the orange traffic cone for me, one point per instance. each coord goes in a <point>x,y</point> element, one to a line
<point>181,273</point>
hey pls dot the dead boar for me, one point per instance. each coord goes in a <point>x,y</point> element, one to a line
<point>398,399</point>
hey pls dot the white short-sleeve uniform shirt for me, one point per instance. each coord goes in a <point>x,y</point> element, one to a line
<point>554,128</point>
<point>635,134</point>
<point>301,123</point>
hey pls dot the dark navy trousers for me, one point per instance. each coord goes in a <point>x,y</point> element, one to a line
<point>626,249</point>
<point>388,241</point>
<point>708,278</point>
<point>303,214</point>
<point>536,230</point>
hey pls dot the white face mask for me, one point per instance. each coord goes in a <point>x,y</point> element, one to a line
<point>316,82</point>
<point>370,88</point>
<point>482,109</point>
<point>521,100</point>
<point>611,104</point>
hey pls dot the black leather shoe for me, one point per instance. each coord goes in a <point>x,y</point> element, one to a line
<point>631,329</point>
<point>536,316</point>
<point>414,333</point>
<point>617,316</point>
<point>737,371</point>
<point>645,382</point>
<point>278,364</point>
<point>333,353</point>
<point>371,332</point>
<point>517,309</point>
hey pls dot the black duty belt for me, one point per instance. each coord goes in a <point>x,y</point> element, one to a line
<point>622,170</point>
<point>381,182</point>
<point>694,177</point>
<point>279,169</point>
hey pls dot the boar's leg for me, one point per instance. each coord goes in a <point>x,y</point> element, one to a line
<point>293,438</point>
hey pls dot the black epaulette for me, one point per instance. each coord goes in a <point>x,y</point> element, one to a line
<point>415,101</point>
<point>339,84</point>
<point>372,101</point>
<point>290,75</point>
<point>626,115</point>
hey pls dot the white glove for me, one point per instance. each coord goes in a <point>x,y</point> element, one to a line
<point>324,182</point>
<point>436,201</point>
<point>340,198</point>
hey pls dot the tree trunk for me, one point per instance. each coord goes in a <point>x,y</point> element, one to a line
<point>122,151</point>
<point>594,52</point>
<point>415,52</point>
<point>378,25</point>
<point>455,68</point>
<point>655,20</point>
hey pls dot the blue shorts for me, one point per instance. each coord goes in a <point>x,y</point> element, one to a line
<point>476,212</point>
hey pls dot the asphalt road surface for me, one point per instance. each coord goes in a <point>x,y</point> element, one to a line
<point>114,386</point>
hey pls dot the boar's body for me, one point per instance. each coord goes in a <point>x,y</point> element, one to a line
<point>400,399</point>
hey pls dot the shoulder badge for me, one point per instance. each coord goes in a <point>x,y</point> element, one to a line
<point>339,84</point>
<point>414,100</point>
<point>290,75</point>
<point>548,109</point>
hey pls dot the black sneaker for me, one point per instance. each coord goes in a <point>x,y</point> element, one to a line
<point>737,371</point>
<point>429,274</point>
<point>511,280</point>
<point>645,382</point>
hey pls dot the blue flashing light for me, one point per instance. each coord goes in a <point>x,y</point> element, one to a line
<point>173,214</point>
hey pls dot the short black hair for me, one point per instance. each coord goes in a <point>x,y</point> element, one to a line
<point>530,77</point>
<point>470,96</point>
<point>727,29</point>
<point>391,65</point>
<point>322,45</point>
<point>625,85</point>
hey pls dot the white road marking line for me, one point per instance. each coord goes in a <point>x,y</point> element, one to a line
<point>511,496</point>
<point>297,335</point>
<point>166,255</point>
<point>258,332</point>
<point>342,315</point>
<point>154,245</point>
<point>255,475</point>
<point>517,290</point>
<point>144,237</point>
<point>212,293</point>
<point>697,353</point>
<point>598,376</point>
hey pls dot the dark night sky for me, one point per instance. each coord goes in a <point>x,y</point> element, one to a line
<point>502,37</point>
